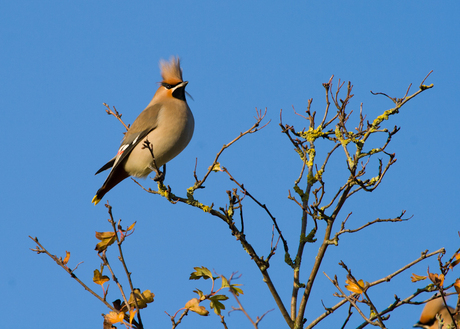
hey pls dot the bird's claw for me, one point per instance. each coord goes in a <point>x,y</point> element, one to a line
<point>159,177</point>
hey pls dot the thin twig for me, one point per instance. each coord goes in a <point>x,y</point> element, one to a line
<point>40,249</point>
<point>128,274</point>
<point>115,114</point>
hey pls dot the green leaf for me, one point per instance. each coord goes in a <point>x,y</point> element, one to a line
<point>225,283</point>
<point>219,297</point>
<point>216,305</point>
<point>237,291</point>
<point>200,272</point>
<point>199,292</point>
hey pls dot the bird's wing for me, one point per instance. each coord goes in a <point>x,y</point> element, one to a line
<point>141,127</point>
<point>106,166</point>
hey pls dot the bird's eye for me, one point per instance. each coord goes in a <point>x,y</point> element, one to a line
<point>166,85</point>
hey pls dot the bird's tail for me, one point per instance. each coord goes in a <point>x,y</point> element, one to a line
<point>113,179</point>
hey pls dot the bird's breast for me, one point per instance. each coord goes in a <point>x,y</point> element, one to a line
<point>174,130</point>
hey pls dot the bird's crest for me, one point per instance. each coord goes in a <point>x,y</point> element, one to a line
<point>171,71</point>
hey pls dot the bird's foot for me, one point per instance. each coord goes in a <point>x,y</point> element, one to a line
<point>159,177</point>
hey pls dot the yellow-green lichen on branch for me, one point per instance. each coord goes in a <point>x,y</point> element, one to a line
<point>313,179</point>
<point>163,191</point>
<point>310,238</point>
<point>424,87</point>
<point>373,180</point>
<point>299,191</point>
<point>190,192</point>
<point>384,116</point>
<point>312,134</point>
<point>371,152</point>
<point>311,157</point>
<point>310,152</point>
<point>206,208</point>
<point>197,204</point>
<point>319,174</point>
<point>340,138</point>
<point>300,153</point>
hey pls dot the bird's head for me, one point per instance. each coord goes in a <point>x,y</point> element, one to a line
<point>172,84</point>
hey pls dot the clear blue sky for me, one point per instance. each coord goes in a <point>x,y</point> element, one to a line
<point>61,60</point>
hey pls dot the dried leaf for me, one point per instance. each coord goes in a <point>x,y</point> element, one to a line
<point>457,286</point>
<point>415,277</point>
<point>142,298</point>
<point>98,278</point>
<point>353,287</point>
<point>132,313</point>
<point>104,235</point>
<point>456,261</point>
<point>131,227</point>
<point>107,238</point>
<point>66,259</point>
<point>194,306</point>
<point>114,317</point>
<point>438,280</point>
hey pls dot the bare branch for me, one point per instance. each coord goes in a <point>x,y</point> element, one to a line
<point>251,130</point>
<point>115,114</point>
<point>40,249</point>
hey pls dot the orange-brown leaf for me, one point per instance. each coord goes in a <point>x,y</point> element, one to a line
<point>456,260</point>
<point>66,259</point>
<point>353,287</point>
<point>438,280</point>
<point>114,317</point>
<point>415,277</point>
<point>457,286</point>
<point>132,313</point>
<point>131,226</point>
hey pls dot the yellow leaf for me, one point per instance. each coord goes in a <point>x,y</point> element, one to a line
<point>114,317</point>
<point>194,306</point>
<point>104,235</point>
<point>225,283</point>
<point>98,278</point>
<point>66,259</point>
<point>415,277</point>
<point>131,227</point>
<point>353,287</point>
<point>216,167</point>
<point>107,238</point>
<point>132,313</point>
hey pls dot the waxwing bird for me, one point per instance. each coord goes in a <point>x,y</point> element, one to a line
<point>158,134</point>
<point>435,307</point>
